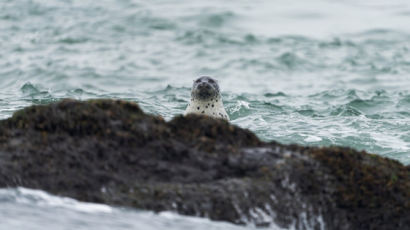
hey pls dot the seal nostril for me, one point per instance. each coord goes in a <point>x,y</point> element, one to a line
<point>203,85</point>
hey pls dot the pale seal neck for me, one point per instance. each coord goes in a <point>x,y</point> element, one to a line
<point>213,107</point>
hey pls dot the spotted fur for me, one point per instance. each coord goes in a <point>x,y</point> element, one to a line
<point>206,99</point>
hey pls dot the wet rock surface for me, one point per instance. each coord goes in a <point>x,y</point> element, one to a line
<point>109,151</point>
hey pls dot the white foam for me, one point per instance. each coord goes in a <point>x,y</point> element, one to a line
<point>239,105</point>
<point>312,138</point>
<point>30,196</point>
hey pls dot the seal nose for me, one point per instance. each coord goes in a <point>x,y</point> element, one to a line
<point>204,85</point>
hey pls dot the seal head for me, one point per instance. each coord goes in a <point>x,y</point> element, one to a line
<point>206,99</point>
<point>205,88</point>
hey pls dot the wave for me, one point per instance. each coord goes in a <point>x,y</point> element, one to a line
<point>23,208</point>
<point>43,199</point>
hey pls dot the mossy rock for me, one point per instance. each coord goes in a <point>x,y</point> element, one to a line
<point>110,151</point>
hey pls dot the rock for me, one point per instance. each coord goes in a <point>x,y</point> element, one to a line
<point>109,151</point>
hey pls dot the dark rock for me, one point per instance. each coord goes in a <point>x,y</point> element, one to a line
<point>111,152</point>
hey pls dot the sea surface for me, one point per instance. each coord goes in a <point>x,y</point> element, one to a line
<point>316,72</point>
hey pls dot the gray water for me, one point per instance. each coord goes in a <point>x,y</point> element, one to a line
<point>309,72</point>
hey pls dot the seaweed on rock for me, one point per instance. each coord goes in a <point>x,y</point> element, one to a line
<point>110,151</point>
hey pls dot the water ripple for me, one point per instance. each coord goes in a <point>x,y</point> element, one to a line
<point>348,87</point>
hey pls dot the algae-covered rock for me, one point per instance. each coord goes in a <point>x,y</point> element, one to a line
<point>110,152</point>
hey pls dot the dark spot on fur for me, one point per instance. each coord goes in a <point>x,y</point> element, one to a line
<point>198,107</point>
<point>203,111</point>
<point>206,106</point>
<point>212,105</point>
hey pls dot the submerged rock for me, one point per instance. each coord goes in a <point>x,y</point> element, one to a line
<point>110,152</point>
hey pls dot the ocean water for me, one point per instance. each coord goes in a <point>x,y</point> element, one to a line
<point>317,72</point>
<point>23,208</point>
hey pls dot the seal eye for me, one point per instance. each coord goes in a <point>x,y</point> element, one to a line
<point>211,81</point>
<point>197,81</point>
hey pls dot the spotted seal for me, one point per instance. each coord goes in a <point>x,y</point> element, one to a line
<point>206,99</point>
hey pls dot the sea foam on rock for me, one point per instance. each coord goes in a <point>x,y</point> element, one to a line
<point>110,151</point>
